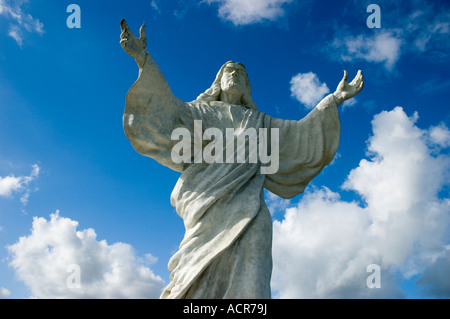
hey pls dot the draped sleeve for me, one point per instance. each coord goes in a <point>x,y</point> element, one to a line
<point>305,148</point>
<point>151,114</point>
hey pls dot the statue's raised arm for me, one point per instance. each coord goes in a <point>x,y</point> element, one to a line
<point>150,106</point>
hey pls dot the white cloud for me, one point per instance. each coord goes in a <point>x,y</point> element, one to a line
<point>415,27</point>
<point>20,22</point>
<point>381,47</point>
<point>349,103</point>
<point>4,293</point>
<point>9,184</point>
<point>440,135</point>
<point>323,246</point>
<point>243,12</point>
<point>307,89</point>
<point>15,33</point>
<point>21,184</point>
<point>44,261</point>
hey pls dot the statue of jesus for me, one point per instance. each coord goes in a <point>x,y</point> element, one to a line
<point>226,251</point>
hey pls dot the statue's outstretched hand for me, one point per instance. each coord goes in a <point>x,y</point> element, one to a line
<point>137,48</point>
<point>346,90</point>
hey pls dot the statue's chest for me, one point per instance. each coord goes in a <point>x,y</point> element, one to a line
<point>224,116</point>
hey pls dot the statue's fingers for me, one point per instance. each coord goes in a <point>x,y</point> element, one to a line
<point>123,25</point>
<point>125,29</point>
<point>358,79</point>
<point>360,87</point>
<point>142,32</point>
<point>345,76</point>
<point>123,43</point>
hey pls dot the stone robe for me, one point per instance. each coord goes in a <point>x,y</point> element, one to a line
<point>226,250</point>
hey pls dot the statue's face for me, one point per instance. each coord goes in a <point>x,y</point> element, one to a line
<point>233,78</point>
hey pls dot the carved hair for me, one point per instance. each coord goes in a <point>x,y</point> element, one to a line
<point>213,93</point>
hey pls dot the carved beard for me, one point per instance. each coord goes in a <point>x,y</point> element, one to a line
<point>233,85</point>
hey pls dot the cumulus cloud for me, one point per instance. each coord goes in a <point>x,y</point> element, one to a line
<point>243,12</point>
<point>4,293</point>
<point>323,246</point>
<point>383,47</point>
<point>440,135</point>
<point>58,261</point>
<point>21,184</point>
<point>20,22</point>
<point>307,89</point>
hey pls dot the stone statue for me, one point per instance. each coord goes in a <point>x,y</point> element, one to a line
<point>226,250</point>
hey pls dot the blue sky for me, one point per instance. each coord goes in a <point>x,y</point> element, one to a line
<point>73,190</point>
